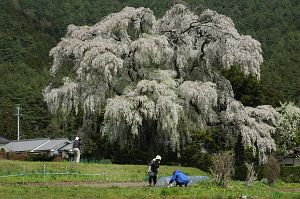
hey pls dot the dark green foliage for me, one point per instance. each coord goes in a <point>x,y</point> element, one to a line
<point>17,87</point>
<point>97,146</point>
<point>192,156</point>
<point>290,174</point>
<point>39,157</point>
<point>20,41</point>
<point>240,159</point>
<point>276,25</point>
<point>243,155</point>
<point>297,139</point>
<point>198,152</point>
<point>249,90</point>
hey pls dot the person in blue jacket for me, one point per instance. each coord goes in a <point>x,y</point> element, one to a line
<point>180,179</point>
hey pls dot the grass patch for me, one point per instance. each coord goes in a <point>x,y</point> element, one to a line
<point>66,171</point>
<point>203,190</point>
<point>73,186</point>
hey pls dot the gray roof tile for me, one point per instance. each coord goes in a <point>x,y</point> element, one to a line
<point>3,140</point>
<point>25,145</point>
<point>67,147</point>
<point>52,144</point>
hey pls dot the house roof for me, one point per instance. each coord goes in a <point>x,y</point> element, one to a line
<point>3,140</point>
<point>37,145</point>
<point>295,153</point>
<point>25,145</point>
<point>297,149</point>
<point>67,147</point>
<point>52,144</point>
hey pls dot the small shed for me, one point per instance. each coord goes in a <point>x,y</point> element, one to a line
<point>51,146</point>
<point>67,151</point>
<point>35,148</point>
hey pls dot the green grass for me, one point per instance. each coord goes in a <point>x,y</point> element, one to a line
<point>203,190</point>
<point>100,172</point>
<point>13,187</point>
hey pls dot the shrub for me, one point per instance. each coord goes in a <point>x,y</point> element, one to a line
<point>39,157</point>
<point>223,167</point>
<point>192,156</point>
<point>290,174</point>
<point>272,170</point>
<point>203,161</point>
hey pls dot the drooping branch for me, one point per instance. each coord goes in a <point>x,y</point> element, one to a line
<point>152,76</point>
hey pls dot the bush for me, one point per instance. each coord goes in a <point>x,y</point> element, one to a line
<point>192,156</point>
<point>223,167</point>
<point>240,172</point>
<point>203,161</point>
<point>290,174</point>
<point>17,155</point>
<point>39,157</point>
<point>272,170</point>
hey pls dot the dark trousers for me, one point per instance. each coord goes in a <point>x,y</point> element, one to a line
<point>152,178</point>
<point>179,184</point>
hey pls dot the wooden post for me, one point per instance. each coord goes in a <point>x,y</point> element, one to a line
<point>24,171</point>
<point>44,172</point>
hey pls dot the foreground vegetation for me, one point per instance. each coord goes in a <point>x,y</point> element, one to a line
<point>203,190</point>
<point>90,187</point>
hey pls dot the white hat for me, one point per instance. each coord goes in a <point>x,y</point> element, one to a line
<point>158,157</point>
<point>77,138</point>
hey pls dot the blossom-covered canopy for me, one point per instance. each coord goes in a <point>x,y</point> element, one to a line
<point>138,69</point>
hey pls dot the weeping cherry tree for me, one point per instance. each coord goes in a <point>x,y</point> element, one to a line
<point>162,73</point>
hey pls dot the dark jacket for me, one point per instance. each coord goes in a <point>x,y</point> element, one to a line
<point>76,144</point>
<point>154,167</point>
<point>179,178</point>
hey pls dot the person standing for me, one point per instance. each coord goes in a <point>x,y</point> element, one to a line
<point>76,149</point>
<point>180,179</point>
<point>153,169</point>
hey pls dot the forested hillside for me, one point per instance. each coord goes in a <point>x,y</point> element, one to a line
<point>30,28</point>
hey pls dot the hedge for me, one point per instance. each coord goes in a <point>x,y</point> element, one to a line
<point>290,174</point>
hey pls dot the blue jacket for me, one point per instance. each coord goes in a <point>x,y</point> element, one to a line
<point>179,177</point>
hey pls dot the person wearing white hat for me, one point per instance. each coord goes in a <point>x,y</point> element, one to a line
<point>153,169</point>
<point>76,149</point>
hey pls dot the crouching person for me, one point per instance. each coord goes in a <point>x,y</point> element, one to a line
<point>180,179</point>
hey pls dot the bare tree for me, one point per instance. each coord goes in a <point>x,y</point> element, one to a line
<point>223,167</point>
<point>272,169</point>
